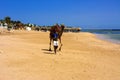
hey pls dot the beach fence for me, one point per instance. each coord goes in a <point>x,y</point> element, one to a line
<point>67,29</point>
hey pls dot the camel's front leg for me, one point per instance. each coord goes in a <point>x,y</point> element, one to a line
<point>50,45</point>
<point>60,44</point>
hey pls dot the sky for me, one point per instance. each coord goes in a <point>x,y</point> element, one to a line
<point>76,13</point>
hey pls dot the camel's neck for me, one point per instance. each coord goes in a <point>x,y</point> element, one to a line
<point>62,29</point>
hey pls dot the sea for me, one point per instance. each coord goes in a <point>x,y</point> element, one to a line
<point>111,35</point>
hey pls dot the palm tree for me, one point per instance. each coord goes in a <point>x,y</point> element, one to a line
<point>8,20</point>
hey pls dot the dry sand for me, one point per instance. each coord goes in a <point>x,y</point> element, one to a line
<point>24,56</point>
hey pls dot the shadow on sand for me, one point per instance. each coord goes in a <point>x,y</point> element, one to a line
<point>46,51</point>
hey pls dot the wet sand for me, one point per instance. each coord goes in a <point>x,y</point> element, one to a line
<point>24,55</point>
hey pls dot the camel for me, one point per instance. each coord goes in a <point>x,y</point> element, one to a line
<point>56,32</point>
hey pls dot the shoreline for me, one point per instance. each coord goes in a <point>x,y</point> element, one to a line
<point>107,38</point>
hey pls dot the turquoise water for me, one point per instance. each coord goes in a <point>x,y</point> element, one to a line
<point>112,35</point>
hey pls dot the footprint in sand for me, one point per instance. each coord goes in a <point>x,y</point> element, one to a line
<point>1,52</point>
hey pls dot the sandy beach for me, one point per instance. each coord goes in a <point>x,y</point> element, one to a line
<point>24,55</point>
